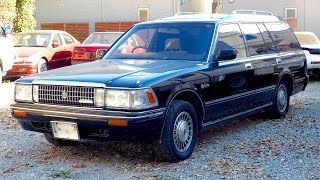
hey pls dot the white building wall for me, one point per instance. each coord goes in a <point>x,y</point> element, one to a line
<point>307,10</point>
<point>204,6</point>
<point>50,11</point>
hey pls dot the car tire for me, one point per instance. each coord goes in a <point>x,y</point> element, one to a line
<point>42,66</point>
<point>58,142</point>
<point>280,103</point>
<point>179,133</point>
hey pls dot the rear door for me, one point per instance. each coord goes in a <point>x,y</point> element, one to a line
<point>266,61</point>
<point>232,85</point>
<point>58,55</point>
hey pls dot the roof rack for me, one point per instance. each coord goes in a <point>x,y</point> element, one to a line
<point>186,13</point>
<point>256,12</point>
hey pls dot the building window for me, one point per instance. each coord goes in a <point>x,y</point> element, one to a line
<point>143,14</point>
<point>290,13</point>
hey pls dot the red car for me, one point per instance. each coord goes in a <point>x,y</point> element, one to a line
<point>94,46</point>
<point>41,50</point>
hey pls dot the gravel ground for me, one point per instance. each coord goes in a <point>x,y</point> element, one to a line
<point>251,148</point>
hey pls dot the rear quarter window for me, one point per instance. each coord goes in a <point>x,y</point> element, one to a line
<point>283,37</point>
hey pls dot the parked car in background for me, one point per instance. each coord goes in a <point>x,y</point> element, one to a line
<point>7,54</point>
<point>311,47</point>
<point>41,50</point>
<point>94,47</point>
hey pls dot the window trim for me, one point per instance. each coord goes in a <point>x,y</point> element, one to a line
<point>286,12</point>
<point>139,13</point>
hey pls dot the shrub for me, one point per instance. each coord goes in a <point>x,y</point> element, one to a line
<point>24,20</point>
<point>7,10</point>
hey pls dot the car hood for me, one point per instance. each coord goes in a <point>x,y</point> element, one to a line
<point>121,73</point>
<point>28,51</point>
<point>311,46</point>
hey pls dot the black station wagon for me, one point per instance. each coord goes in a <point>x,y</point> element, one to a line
<point>166,80</point>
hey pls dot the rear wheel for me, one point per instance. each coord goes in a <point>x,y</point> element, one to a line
<point>42,66</point>
<point>58,142</point>
<point>280,106</point>
<point>179,134</point>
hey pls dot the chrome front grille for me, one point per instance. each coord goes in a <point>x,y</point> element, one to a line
<point>66,95</point>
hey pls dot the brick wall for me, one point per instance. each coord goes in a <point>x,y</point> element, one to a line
<point>78,30</point>
<point>114,26</point>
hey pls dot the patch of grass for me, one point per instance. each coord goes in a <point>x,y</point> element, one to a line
<point>61,174</point>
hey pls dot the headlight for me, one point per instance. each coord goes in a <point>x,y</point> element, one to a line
<point>23,93</point>
<point>100,53</point>
<point>130,99</point>
<point>118,98</point>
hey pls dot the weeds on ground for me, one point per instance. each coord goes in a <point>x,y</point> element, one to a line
<point>61,174</point>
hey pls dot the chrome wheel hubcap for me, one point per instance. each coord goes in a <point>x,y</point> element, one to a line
<point>282,97</point>
<point>43,67</point>
<point>183,131</point>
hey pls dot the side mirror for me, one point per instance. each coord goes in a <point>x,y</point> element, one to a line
<point>227,54</point>
<point>54,45</point>
<point>7,28</point>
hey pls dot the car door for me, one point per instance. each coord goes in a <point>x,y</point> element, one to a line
<point>7,53</point>
<point>232,79</point>
<point>57,50</point>
<point>69,43</point>
<point>266,61</point>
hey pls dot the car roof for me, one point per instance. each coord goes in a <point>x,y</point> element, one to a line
<point>108,32</point>
<point>215,18</point>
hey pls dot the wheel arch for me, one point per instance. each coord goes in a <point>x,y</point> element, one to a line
<point>194,99</point>
<point>287,76</point>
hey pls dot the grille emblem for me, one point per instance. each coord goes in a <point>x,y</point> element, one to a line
<point>64,94</point>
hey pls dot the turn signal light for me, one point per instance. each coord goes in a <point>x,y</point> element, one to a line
<point>19,113</point>
<point>151,97</point>
<point>117,122</point>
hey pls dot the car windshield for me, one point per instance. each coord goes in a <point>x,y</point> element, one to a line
<point>161,41</point>
<point>31,40</point>
<point>102,38</point>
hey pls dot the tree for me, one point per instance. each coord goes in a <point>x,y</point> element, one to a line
<point>7,10</point>
<point>24,20</point>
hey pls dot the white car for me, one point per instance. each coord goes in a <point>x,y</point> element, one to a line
<point>311,48</point>
<point>7,52</point>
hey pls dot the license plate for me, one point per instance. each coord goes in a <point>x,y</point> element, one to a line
<point>65,130</point>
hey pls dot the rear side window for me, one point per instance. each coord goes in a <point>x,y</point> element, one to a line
<point>67,39</point>
<point>254,39</point>
<point>230,37</point>
<point>267,39</point>
<point>56,39</point>
<point>283,37</point>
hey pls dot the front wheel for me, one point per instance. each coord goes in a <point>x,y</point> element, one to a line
<point>42,66</point>
<point>280,106</point>
<point>179,134</point>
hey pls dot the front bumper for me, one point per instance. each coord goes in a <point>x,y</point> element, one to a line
<point>92,123</point>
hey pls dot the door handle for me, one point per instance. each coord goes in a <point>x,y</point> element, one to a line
<point>278,61</point>
<point>248,66</point>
